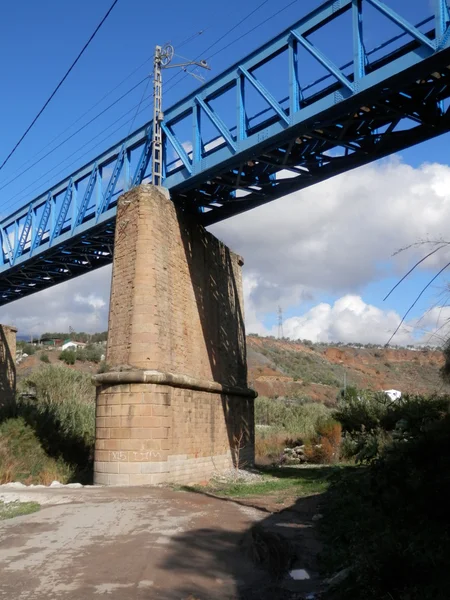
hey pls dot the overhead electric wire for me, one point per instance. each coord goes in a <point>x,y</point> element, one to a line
<point>148,59</point>
<point>84,154</point>
<point>216,42</point>
<point>275,14</point>
<point>77,150</point>
<point>199,56</point>
<point>147,78</point>
<point>250,14</point>
<point>74,133</point>
<point>78,119</point>
<point>49,99</point>
<point>138,108</point>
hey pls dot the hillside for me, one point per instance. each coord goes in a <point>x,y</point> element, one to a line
<point>281,368</point>
<point>284,368</point>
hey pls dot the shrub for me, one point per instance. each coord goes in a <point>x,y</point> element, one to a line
<point>22,457</point>
<point>287,423</point>
<point>413,414</point>
<point>80,355</point>
<point>389,521</point>
<point>44,357</point>
<point>294,417</point>
<point>361,410</point>
<point>93,353</point>
<point>28,349</point>
<point>68,356</point>
<point>371,421</point>
<point>67,394</point>
<point>59,403</point>
<point>366,446</point>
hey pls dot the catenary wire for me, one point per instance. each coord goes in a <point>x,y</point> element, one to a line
<point>5,183</point>
<point>202,54</point>
<point>63,170</point>
<point>49,99</point>
<point>26,188</point>
<point>73,134</point>
<point>275,14</point>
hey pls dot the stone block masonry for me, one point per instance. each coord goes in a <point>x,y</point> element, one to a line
<point>7,364</point>
<point>175,406</point>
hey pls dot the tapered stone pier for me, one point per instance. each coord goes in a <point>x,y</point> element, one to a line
<point>174,405</point>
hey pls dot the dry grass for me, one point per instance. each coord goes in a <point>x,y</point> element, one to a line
<point>325,446</point>
<point>284,423</point>
<point>269,445</point>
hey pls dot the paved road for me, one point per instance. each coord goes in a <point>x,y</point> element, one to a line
<point>123,544</point>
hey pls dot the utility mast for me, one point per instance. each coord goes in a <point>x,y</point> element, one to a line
<point>280,323</point>
<point>163,57</point>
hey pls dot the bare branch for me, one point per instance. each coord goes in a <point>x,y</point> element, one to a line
<point>414,266</point>
<point>416,300</point>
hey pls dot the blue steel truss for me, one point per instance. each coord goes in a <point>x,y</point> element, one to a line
<point>381,101</point>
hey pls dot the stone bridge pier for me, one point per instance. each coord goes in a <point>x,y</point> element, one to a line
<point>7,365</point>
<point>174,405</point>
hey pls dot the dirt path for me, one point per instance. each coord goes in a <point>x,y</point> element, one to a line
<point>137,543</point>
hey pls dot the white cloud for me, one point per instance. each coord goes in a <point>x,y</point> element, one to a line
<point>351,320</point>
<point>331,238</point>
<point>334,236</point>
<point>81,303</point>
<point>94,301</point>
<point>348,320</point>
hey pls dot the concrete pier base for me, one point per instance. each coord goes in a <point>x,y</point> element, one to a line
<point>174,406</point>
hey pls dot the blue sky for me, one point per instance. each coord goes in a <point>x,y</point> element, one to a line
<point>40,39</point>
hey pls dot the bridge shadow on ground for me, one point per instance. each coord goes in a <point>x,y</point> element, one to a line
<point>256,560</point>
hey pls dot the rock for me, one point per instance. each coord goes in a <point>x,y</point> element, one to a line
<point>292,460</point>
<point>56,484</point>
<point>317,517</point>
<point>74,485</point>
<point>14,485</point>
<point>236,475</point>
<point>299,574</point>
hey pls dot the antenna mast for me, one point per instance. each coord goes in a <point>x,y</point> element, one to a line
<point>163,56</point>
<point>158,117</point>
<point>280,323</point>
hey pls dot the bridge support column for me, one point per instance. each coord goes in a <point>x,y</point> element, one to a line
<point>174,406</point>
<point>7,365</point>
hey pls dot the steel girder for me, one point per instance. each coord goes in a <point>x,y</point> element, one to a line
<point>380,102</point>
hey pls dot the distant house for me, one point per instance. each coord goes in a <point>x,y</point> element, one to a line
<point>70,345</point>
<point>56,342</point>
<point>393,394</point>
